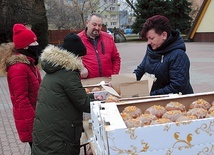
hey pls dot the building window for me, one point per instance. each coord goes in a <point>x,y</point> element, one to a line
<point>113,23</point>
<point>113,16</point>
<point>112,8</point>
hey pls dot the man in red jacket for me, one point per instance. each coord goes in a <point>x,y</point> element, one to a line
<point>102,58</point>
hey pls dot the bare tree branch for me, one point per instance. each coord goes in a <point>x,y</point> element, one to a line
<point>132,6</point>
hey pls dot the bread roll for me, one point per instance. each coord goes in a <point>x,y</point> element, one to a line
<point>156,110</point>
<point>146,119</point>
<point>132,123</point>
<point>133,111</point>
<point>125,116</point>
<point>95,89</point>
<point>200,103</point>
<point>175,106</point>
<point>198,112</point>
<point>112,98</point>
<point>173,115</point>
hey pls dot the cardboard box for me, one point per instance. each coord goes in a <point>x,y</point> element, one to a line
<point>127,86</point>
<point>112,137</point>
<point>123,85</point>
<point>95,81</point>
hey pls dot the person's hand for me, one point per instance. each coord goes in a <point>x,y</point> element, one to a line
<point>100,95</point>
<point>84,73</point>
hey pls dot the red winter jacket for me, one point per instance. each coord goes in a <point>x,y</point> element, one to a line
<point>23,82</point>
<point>102,60</point>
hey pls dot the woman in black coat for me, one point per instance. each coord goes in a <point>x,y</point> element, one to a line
<point>165,59</point>
<point>61,100</point>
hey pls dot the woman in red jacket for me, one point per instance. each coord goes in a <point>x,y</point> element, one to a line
<point>19,60</point>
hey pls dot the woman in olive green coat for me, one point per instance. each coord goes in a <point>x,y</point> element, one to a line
<point>61,100</point>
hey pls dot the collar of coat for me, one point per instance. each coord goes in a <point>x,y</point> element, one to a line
<point>14,57</point>
<point>17,58</point>
<point>60,57</point>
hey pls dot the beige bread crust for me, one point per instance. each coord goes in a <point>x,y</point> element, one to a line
<point>125,116</point>
<point>173,115</point>
<point>211,114</point>
<point>161,121</point>
<point>132,123</point>
<point>156,110</point>
<point>211,109</point>
<point>200,103</point>
<point>186,118</point>
<point>133,111</point>
<point>198,112</point>
<point>146,119</point>
<point>175,106</point>
<point>112,98</point>
<point>95,89</point>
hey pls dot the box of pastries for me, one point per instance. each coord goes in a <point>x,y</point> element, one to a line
<point>121,85</point>
<point>174,125</point>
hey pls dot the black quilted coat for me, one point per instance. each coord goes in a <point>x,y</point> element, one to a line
<point>169,64</point>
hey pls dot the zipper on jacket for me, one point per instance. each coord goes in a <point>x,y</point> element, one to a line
<point>162,58</point>
<point>95,44</point>
<point>103,48</point>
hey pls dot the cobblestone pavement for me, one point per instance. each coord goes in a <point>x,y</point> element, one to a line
<point>202,79</point>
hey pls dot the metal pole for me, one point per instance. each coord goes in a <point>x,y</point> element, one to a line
<point>118,9</point>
